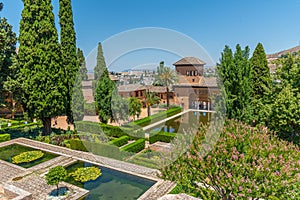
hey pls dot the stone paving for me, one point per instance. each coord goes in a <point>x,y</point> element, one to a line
<point>33,178</point>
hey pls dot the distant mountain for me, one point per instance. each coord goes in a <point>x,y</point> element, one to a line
<point>284,52</point>
<point>275,56</point>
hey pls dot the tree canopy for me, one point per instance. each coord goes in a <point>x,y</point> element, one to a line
<point>40,63</point>
<point>68,52</point>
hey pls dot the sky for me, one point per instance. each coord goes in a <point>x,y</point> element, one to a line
<point>211,24</point>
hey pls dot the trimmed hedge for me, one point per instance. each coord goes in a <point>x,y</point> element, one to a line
<point>77,144</point>
<point>108,130</point>
<point>4,137</point>
<point>162,137</point>
<point>153,118</point>
<point>135,147</point>
<point>119,141</point>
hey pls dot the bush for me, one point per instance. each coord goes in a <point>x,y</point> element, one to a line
<point>77,144</point>
<point>161,136</point>
<point>27,157</point>
<point>4,137</point>
<point>135,147</point>
<point>120,141</point>
<point>245,163</point>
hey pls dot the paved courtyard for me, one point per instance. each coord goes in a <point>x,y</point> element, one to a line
<point>32,179</point>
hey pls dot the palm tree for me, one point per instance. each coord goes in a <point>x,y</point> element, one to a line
<point>134,106</point>
<point>166,77</point>
<point>151,99</point>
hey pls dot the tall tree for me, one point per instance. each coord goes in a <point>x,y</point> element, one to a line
<point>103,97</point>
<point>82,64</point>
<point>100,68</point>
<point>68,52</point>
<point>151,99</point>
<point>40,62</point>
<point>134,106</point>
<point>7,49</point>
<point>260,72</point>
<point>119,107</point>
<point>166,77</point>
<point>235,74</point>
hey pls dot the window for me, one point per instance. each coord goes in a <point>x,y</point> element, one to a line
<point>193,80</point>
<point>191,73</point>
<point>196,73</point>
<point>187,73</point>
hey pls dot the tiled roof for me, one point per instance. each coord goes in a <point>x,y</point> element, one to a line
<point>189,61</point>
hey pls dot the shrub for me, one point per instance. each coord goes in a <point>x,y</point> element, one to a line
<point>120,141</point>
<point>161,136</point>
<point>4,137</point>
<point>85,174</point>
<point>245,163</point>
<point>77,144</point>
<point>135,147</point>
<point>89,109</point>
<point>27,157</point>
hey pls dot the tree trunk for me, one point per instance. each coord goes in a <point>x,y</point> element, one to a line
<point>57,190</point>
<point>168,101</point>
<point>47,125</point>
<point>149,110</point>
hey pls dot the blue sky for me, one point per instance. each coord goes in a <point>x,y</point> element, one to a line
<point>212,24</point>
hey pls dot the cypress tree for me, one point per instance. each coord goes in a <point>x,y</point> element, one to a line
<point>234,72</point>
<point>260,72</point>
<point>100,68</point>
<point>40,62</point>
<point>68,50</point>
<point>103,97</point>
<point>82,64</point>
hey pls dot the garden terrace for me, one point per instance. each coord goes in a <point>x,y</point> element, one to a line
<point>32,179</point>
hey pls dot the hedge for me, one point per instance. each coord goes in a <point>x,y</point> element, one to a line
<point>119,141</point>
<point>153,118</point>
<point>4,137</point>
<point>162,137</point>
<point>77,144</point>
<point>108,130</point>
<point>135,147</point>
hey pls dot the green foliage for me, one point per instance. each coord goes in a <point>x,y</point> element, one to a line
<point>119,107</point>
<point>119,141</point>
<point>161,136</point>
<point>42,73</point>
<point>100,69</point>
<point>260,72</point>
<point>135,106</point>
<point>103,97</point>
<point>151,99</point>
<point>166,77</point>
<point>234,72</point>
<point>244,163</point>
<point>8,50</point>
<point>135,147</point>
<point>27,157</point>
<point>85,174</point>
<point>77,144</point>
<point>82,64</point>
<point>56,175</point>
<point>4,137</point>
<point>68,55</point>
